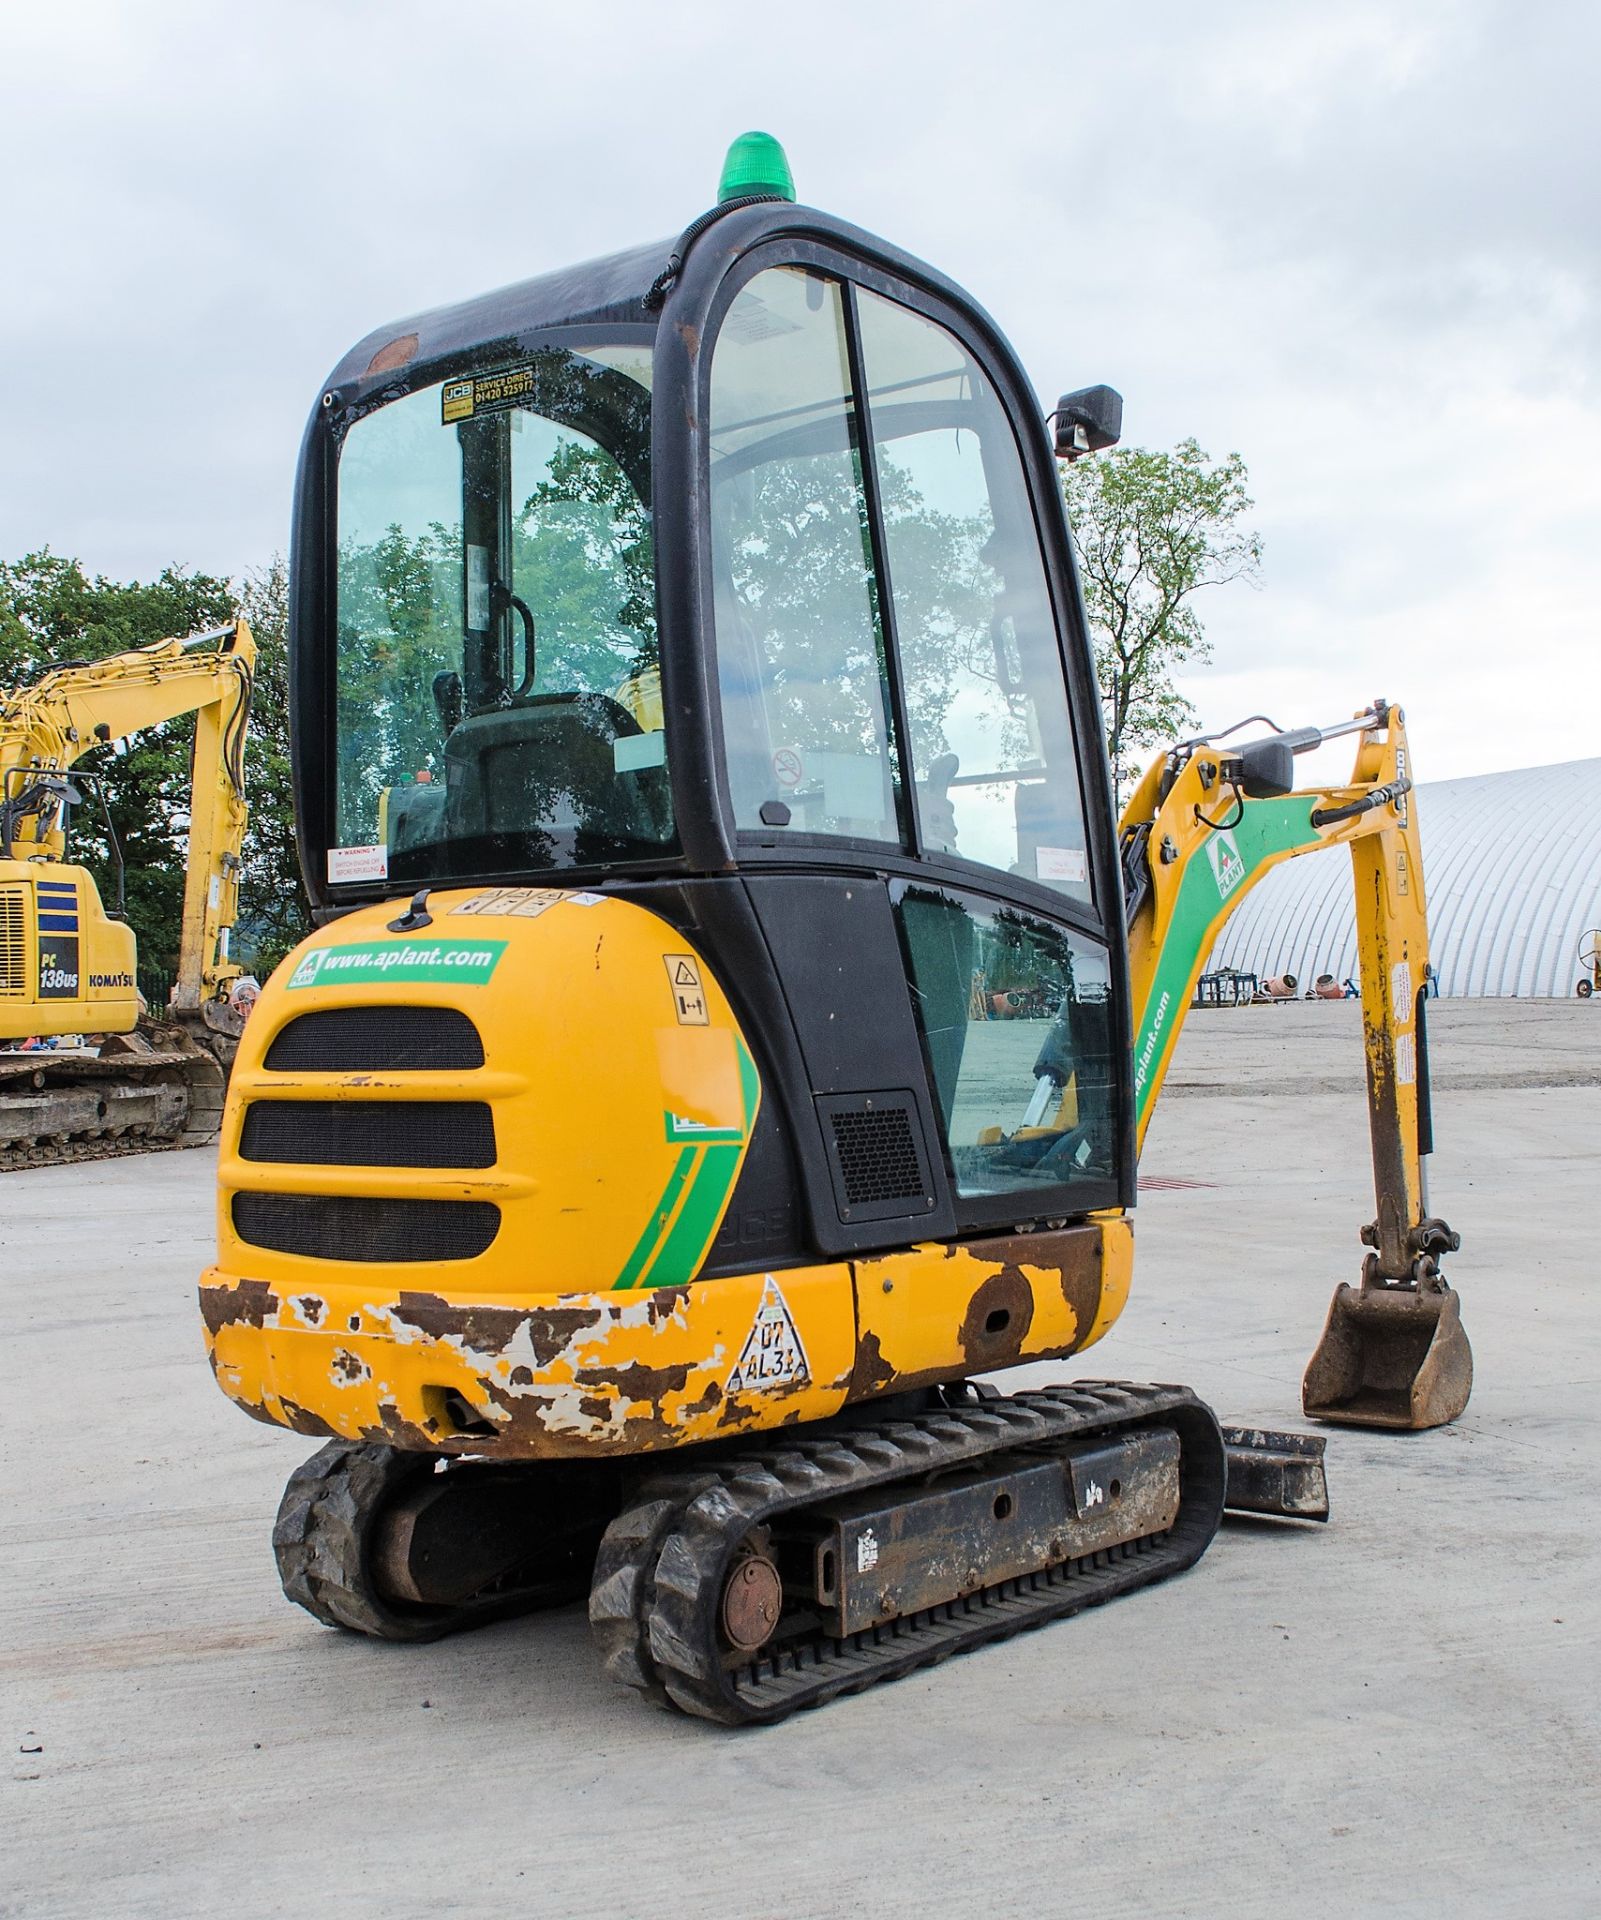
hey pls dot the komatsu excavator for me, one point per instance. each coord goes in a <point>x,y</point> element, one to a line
<point>67,964</point>
<point>697,753</point>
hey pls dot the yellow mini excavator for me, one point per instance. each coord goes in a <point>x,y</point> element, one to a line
<point>129,1083</point>
<point>735,1008</point>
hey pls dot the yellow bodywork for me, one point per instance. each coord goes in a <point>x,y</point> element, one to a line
<point>623,1096</point>
<point>35,994</point>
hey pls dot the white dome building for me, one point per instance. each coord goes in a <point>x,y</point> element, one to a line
<point>1512,864</point>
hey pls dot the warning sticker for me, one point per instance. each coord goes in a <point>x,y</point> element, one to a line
<point>689,996</point>
<point>1069,864</point>
<point>772,1355</point>
<point>488,393</point>
<point>358,863</point>
<point>520,903</point>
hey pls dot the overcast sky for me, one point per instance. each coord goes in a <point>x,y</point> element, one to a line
<point>1359,244</point>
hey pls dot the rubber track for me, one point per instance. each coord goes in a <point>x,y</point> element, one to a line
<point>660,1574</point>
<point>321,1542</point>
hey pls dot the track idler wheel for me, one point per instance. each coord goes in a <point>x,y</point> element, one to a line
<point>324,1540</point>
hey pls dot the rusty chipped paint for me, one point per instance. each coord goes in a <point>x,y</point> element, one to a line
<point>614,1374</point>
<point>559,1376</point>
<point>945,1312</point>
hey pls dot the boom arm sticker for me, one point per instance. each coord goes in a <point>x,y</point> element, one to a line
<point>773,1355</point>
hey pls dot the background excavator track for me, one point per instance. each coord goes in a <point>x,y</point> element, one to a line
<point>170,1090</point>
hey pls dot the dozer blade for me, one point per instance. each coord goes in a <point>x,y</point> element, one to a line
<point>1390,1356</point>
<point>1280,1474</point>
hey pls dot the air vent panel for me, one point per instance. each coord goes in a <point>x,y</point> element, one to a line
<point>13,948</point>
<point>370,1133</point>
<point>338,1227</point>
<point>876,1155</point>
<point>377,1040</point>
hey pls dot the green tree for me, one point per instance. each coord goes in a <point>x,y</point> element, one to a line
<point>584,560</point>
<point>1152,528</point>
<point>801,564</point>
<point>274,912</point>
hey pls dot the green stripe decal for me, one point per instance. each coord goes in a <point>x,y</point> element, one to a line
<point>1212,888</point>
<point>669,1254</point>
<point>684,1249</point>
<point>656,1226</point>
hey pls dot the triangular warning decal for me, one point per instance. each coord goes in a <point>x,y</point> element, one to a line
<point>773,1355</point>
<point>685,975</point>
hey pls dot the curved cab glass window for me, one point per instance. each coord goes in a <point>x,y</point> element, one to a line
<point>499,703</point>
<point>996,776</point>
<point>800,656</point>
<point>1016,1023</point>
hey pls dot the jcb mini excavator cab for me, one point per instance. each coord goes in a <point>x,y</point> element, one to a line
<point>700,779</point>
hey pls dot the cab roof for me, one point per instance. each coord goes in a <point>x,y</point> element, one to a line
<point>611,290</point>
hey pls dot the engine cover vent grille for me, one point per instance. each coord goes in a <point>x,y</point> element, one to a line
<point>377,1040</point>
<point>13,970</point>
<point>336,1227</point>
<point>876,1154</point>
<point>370,1133</point>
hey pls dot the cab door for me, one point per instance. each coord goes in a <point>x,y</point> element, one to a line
<point>891,652</point>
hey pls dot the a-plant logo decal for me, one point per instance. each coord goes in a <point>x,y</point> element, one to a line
<point>1228,869</point>
<point>449,960</point>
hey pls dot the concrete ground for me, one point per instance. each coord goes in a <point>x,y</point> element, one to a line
<point>1400,1713</point>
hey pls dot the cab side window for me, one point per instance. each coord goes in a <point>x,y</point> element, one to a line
<point>800,647</point>
<point>1015,1016</point>
<point>995,772</point>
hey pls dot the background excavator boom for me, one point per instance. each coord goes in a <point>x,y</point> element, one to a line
<point>67,965</point>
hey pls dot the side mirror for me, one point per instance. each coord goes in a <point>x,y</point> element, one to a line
<point>1087,421</point>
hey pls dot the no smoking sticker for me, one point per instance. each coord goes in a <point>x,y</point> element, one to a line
<point>689,996</point>
<point>787,767</point>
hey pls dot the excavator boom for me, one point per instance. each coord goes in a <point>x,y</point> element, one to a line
<point>1203,826</point>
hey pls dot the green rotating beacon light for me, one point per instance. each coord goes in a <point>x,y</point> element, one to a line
<point>755,164</point>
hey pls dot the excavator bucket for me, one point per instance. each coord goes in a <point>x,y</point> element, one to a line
<point>1390,1357</point>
